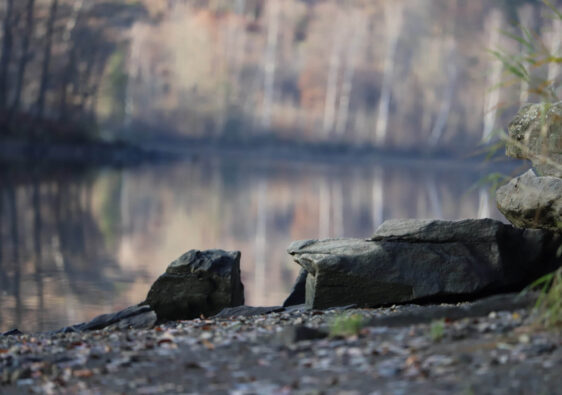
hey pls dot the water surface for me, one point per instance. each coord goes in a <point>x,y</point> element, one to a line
<point>75,244</point>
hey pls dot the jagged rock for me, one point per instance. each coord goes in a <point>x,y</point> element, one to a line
<point>529,201</point>
<point>412,260</point>
<point>297,295</point>
<point>247,311</point>
<point>536,134</point>
<point>198,282</point>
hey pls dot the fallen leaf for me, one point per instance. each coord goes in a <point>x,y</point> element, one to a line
<point>83,373</point>
<point>207,344</point>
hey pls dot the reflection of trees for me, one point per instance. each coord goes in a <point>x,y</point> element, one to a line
<point>70,231</point>
<point>53,257</point>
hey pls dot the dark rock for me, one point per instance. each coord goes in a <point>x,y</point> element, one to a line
<point>198,283</point>
<point>295,334</point>
<point>409,260</point>
<point>529,201</point>
<point>145,320</point>
<point>106,320</point>
<point>297,295</point>
<point>247,311</point>
<point>13,332</point>
<point>480,308</point>
<point>139,316</point>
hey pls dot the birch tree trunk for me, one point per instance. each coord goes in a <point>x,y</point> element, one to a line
<point>5,58</point>
<point>448,94</point>
<point>332,80</point>
<point>349,72</point>
<point>47,52</point>
<point>393,19</point>
<point>270,61</point>
<point>493,25</point>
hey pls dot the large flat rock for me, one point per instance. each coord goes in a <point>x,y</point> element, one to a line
<point>411,260</point>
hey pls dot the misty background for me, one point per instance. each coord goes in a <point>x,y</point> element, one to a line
<point>410,84</point>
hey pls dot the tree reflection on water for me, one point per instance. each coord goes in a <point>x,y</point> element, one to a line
<point>74,244</point>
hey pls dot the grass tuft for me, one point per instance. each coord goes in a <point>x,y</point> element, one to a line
<point>437,330</point>
<point>549,303</point>
<point>347,325</point>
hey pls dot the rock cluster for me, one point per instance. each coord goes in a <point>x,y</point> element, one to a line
<point>417,260</point>
<point>405,261</point>
<point>531,201</point>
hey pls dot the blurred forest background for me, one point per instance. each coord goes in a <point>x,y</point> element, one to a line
<point>393,74</point>
<point>389,75</point>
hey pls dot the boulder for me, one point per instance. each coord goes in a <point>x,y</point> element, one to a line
<point>422,260</point>
<point>529,201</point>
<point>198,283</point>
<point>536,134</point>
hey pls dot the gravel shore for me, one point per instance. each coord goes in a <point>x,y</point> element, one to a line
<point>501,352</point>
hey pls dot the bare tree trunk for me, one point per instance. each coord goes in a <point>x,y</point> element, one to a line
<point>394,18</point>
<point>492,96</point>
<point>47,52</point>
<point>349,72</point>
<point>70,67</point>
<point>332,81</point>
<point>5,58</point>
<point>24,55</point>
<point>448,95</point>
<point>270,62</point>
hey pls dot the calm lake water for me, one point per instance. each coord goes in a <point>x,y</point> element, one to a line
<point>75,244</point>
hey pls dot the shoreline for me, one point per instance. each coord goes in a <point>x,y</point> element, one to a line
<point>288,352</point>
